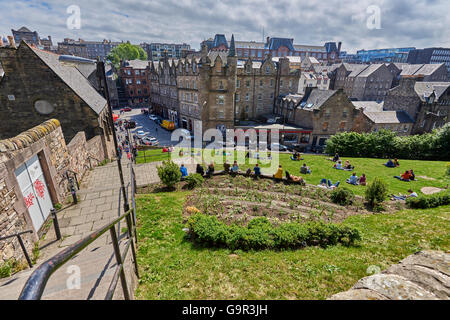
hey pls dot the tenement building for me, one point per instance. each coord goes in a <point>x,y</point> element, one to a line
<point>133,75</point>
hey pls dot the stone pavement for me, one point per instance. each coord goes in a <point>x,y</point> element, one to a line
<point>98,206</point>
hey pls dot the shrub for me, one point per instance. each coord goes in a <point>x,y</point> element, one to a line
<point>194,180</point>
<point>376,192</point>
<point>6,269</point>
<point>261,234</point>
<point>342,196</point>
<point>169,173</point>
<point>448,168</point>
<point>429,201</point>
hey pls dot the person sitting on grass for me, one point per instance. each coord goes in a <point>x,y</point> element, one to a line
<point>413,176</point>
<point>389,164</point>
<point>294,156</point>
<point>226,167</point>
<point>335,158</point>
<point>363,180</point>
<point>353,179</point>
<point>348,166</point>
<point>305,169</point>
<point>338,165</point>
<point>200,169</point>
<point>257,171</point>
<point>406,176</point>
<point>165,149</point>
<point>248,173</point>
<point>412,194</point>
<point>279,174</point>
<point>293,178</point>
<point>210,170</point>
<point>396,163</point>
<point>183,171</point>
<point>328,184</point>
<point>235,168</point>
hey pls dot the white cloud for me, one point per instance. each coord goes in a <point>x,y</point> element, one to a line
<point>419,23</point>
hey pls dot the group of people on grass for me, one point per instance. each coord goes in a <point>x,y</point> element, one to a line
<point>392,164</point>
<point>296,156</point>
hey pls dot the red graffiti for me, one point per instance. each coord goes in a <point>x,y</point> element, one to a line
<point>40,188</point>
<point>29,200</point>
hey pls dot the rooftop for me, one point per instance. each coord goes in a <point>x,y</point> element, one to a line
<point>389,117</point>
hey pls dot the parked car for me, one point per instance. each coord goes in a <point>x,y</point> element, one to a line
<point>149,141</point>
<point>153,117</point>
<point>141,134</point>
<point>280,147</point>
<point>126,109</point>
<point>318,149</point>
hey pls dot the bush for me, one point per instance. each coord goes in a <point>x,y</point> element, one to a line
<point>169,173</point>
<point>386,144</point>
<point>342,196</point>
<point>429,201</point>
<point>261,234</point>
<point>448,168</point>
<point>194,180</point>
<point>6,268</point>
<point>376,192</point>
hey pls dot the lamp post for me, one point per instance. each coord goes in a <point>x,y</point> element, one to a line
<point>104,86</point>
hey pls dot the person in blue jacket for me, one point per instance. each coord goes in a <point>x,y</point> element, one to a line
<point>183,171</point>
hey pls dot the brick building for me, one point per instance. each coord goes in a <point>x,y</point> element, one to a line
<point>87,49</point>
<point>38,86</point>
<point>134,79</point>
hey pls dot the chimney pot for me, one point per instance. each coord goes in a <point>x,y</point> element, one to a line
<point>11,42</point>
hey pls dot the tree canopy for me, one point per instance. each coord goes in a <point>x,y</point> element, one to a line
<point>126,51</point>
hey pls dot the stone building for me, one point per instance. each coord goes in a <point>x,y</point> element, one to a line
<point>133,75</point>
<point>33,167</point>
<point>429,72</point>
<point>427,103</point>
<point>38,86</point>
<point>324,112</point>
<point>32,38</point>
<point>87,49</point>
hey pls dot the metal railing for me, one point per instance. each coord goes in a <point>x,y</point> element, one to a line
<point>18,235</point>
<point>35,285</point>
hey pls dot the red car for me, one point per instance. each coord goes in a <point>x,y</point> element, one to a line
<point>126,109</point>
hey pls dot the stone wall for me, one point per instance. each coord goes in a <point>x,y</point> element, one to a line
<point>48,143</point>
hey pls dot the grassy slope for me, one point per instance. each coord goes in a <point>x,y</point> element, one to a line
<point>322,168</point>
<point>173,268</point>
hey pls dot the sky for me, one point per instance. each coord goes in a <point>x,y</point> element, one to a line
<point>363,24</point>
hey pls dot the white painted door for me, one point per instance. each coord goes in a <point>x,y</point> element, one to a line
<point>34,189</point>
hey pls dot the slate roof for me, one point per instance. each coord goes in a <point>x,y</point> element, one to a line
<point>24,29</point>
<point>71,76</point>
<point>276,43</point>
<point>212,55</point>
<point>292,59</point>
<point>369,70</point>
<point>425,89</point>
<point>220,39</point>
<point>409,69</point>
<point>137,64</point>
<point>355,69</point>
<point>316,99</point>
<point>369,106</point>
<point>389,117</point>
<point>428,69</point>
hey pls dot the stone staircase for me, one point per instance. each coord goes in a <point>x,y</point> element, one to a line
<point>96,264</point>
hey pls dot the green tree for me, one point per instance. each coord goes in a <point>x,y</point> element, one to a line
<point>126,51</point>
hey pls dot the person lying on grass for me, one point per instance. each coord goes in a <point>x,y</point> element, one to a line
<point>406,176</point>
<point>412,194</point>
<point>328,184</point>
<point>353,179</point>
<point>305,169</point>
<point>389,164</point>
<point>290,177</point>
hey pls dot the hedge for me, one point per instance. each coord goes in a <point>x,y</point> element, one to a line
<point>386,144</point>
<point>260,234</point>
<point>429,201</point>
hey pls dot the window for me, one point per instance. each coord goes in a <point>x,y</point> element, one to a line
<point>247,97</point>
<point>344,113</point>
<point>138,81</point>
<point>290,83</point>
<point>267,69</point>
<point>195,84</point>
<point>325,126</point>
<point>221,100</point>
<point>281,83</point>
<point>238,83</point>
<point>342,125</point>
<point>271,95</point>
<point>247,83</point>
<point>129,72</point>
<point>259,96</point>
<point>137,72</point>
<point>237,97</point>
<point>271,82</point>
<point>220,85</point>
<point>260,83</point>
<point>221,114</point>
<point>181,83</point>
<point>327,113</point>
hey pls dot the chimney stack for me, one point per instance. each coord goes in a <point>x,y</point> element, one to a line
<point>12,44</point>
<point>339,47</point>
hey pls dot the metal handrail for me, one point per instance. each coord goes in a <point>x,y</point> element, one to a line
<point>35,285</point>
<point>18,235</point>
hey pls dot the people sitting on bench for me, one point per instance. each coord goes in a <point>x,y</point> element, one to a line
<point>293,178</point>
<point>305,169</point>
<point>226,167</point>
<point>406,176</point>
<point>328,184</point>
<point>257,171</point>
<point>353,179</point>
<point>412,194</point>
<point>363,180</point>
<point>200,169</point>
<point>279,173</point>
<point>210,170</point>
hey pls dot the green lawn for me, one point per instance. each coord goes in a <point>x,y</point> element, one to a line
<point>322,168</point>
<point>151,155</point>
<point>173,268</point>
